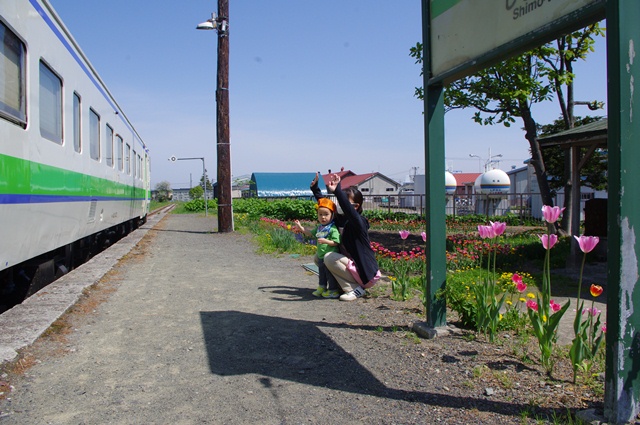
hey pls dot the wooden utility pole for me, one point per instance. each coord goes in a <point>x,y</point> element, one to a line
<point>225,208</point>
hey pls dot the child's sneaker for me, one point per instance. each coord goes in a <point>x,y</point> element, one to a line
<point>319,292</point>
<point>331,294</point>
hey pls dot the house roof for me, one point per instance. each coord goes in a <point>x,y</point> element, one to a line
<point>283,184</point>
<point>583,135</point>
<point>357,180</point>
<point>466,178</point>
<point>349,178</point>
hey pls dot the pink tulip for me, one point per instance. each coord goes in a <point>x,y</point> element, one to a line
<point>593,311</point>
<point>498,227</point>
<point>424,236</point>
<point>404,234</point>
<point>554,306</point>
<point>587,243</point>
<point>604,327</point>
<point>551,214</point>
<point>548,241</point>
<point>520,285</point>
<point>486,232</point>
<point>532,305</point>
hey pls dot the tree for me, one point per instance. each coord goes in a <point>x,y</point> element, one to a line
<point>507,90</point>
<point>209,184</point>
<point>196,192</point>
<point>163,190</point>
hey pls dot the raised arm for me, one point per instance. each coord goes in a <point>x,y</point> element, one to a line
<point>315,189</point>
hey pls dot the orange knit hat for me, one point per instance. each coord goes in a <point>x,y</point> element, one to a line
<point>326,203</point>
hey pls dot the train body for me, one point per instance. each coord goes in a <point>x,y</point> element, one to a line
<point>72,166</point>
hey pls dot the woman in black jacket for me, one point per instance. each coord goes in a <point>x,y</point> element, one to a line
<point>355,266</point>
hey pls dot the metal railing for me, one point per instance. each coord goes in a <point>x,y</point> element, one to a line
<point>459,205</point>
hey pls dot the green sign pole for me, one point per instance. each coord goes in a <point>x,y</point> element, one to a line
<point>622,381</point>
<point>435,202</point>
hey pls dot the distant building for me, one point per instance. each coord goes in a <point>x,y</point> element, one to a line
<point>464,184</point>
<point>267,185</point>
<point>525,192</point>
<point>377,188</point>
<point>182,194</point>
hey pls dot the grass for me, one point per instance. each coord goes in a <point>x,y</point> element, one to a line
<point>479,371</point>
<point>413,337</point>
<point>154,205</point>
<point>504,379</point>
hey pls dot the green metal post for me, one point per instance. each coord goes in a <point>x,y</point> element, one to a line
<point>435,184</point>
<point>622,379</point>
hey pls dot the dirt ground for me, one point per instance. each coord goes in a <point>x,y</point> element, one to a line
<point>234,337</point>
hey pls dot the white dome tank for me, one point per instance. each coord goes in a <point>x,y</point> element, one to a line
<point>450,183</point>
<point>494,183</point>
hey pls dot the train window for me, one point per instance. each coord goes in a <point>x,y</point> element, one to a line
<point>94,135</point>
<point>77,117</point>
<point>135,164</point>
<point>127,158</point>
<point>13,98</point>
<point>139,167</point>
<point>108,152</point>
<point>50,104</point>
<point>119,147</point>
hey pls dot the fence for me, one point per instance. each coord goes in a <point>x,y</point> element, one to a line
<point>525,205</point>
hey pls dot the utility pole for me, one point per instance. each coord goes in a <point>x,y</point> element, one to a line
<point>225,208</point>
<point>220,23</point>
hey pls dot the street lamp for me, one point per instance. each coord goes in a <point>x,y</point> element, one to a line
<point>221,25</point>
<point>491,160</point>
<point>488,162</point>
<point>173,158</point>
<point>471,155</point>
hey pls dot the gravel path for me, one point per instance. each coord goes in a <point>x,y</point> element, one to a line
<point>194,327</point>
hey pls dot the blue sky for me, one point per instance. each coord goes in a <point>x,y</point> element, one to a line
<point>313,86</point>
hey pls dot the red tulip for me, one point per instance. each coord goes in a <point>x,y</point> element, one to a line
<point>595,290</point>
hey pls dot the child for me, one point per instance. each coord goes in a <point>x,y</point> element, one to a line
<point>328,240</point>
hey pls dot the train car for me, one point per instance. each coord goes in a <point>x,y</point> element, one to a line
<point>73,170</point>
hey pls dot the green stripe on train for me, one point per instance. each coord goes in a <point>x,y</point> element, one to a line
<point>21,176</point>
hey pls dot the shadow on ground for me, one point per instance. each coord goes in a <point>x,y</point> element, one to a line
<point>296,350</point>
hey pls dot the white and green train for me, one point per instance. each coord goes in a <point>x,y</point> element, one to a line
<point>73,170</point>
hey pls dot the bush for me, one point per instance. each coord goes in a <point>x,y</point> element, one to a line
<point>196,192</point>
<point>459,297</point>
<point>197,205</point>
<point>281,209</point>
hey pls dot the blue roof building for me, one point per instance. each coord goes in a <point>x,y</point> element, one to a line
<point>283,184</point>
